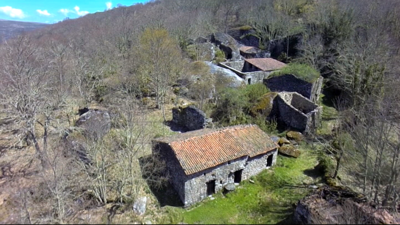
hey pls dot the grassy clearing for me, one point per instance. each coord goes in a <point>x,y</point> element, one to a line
<point>269,199</point>
<point>301,71</point>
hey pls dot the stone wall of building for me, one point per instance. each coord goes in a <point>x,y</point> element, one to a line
<point>291,83</point>
<point>177,176</point>
<point>196,184</point>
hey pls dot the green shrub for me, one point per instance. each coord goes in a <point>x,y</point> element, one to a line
<point>219,55</point>
<point>301,71</point>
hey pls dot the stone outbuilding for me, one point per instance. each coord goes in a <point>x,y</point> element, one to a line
<point>262,64</point>
<point>203,162</point>
<point>253,70</point>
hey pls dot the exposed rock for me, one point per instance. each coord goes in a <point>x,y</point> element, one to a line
<point>275,139</point>
<point>283,141</point>
<point>294,135</point>
<point>230,187</point>
<point>235,80</point>
<point>191,118</point>
<point>202,51</point>
<point>96,122</point>
<point>328,205</point>
<point>227,44</point>
<point>289,150</point>
<point>139,207</point>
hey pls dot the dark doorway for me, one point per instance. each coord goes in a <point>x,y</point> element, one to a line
<point>210,187</point>
<point>249,81</point>
<point>238,176</point>
<point>269,160</point>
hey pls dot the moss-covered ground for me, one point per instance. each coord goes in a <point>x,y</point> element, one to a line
<point>267,198</point>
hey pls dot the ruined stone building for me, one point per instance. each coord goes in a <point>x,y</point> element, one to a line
<point>202,162</point>
<point>296,111</point>
<point>291,83</point>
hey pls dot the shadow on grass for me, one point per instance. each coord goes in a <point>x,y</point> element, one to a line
<point>316,172</point>
<point>175,127</point>
<point>158,185</point>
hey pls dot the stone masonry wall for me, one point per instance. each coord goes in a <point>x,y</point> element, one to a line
<point>297,112</point>
<point>196,184</point>
<point>289,83</point>
<point>174,169</point>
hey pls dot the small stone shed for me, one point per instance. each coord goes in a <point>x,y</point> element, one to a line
<point>202,162</point>
<point>253,70</point>
<point>262,64</point>
<point>297,112</point>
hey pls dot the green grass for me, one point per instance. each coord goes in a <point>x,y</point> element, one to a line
<point>301,71</point>
<point>269,199</point>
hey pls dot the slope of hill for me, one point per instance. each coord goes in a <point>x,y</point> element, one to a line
<point>9,29</point>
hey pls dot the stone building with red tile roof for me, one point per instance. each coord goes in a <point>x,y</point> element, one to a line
<point>202,162</point>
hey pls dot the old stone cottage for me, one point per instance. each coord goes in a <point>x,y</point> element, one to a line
<point>253,70</point>
<point>202,162</point>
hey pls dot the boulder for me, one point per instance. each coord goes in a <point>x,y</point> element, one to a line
<point>289,150</point>
<point>283,141</point>
<point>139,207</point>
<point>96,122</point>
<point>234,80</point>
<point>230,187</point>
<point>191,118</point>
<point>227,44</point>
<point>294,135</point>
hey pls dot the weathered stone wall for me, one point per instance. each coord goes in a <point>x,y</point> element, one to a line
<point>297,112</point>
<point>190,117</point>
<point>175,172</point>
<point>316,89</point>
<point>249,77</point>
<point>289,83</point>
<point>196,184</point>
<point>256,77</point>
<point>257,164</point>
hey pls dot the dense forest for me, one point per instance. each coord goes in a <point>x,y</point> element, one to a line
<point>139,61</point>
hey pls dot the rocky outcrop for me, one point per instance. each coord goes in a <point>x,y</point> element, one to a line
<point>227,44</point>
<point>338,205</point>
<point>95,121</point>
<point>139,207</point>
<point>190,118</point>
<point>233,79</point>
<point>289,150</point>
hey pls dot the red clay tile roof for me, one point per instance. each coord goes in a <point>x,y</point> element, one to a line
<point>247,49</point>
<point>266,64</point>
<point>206,148</point>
